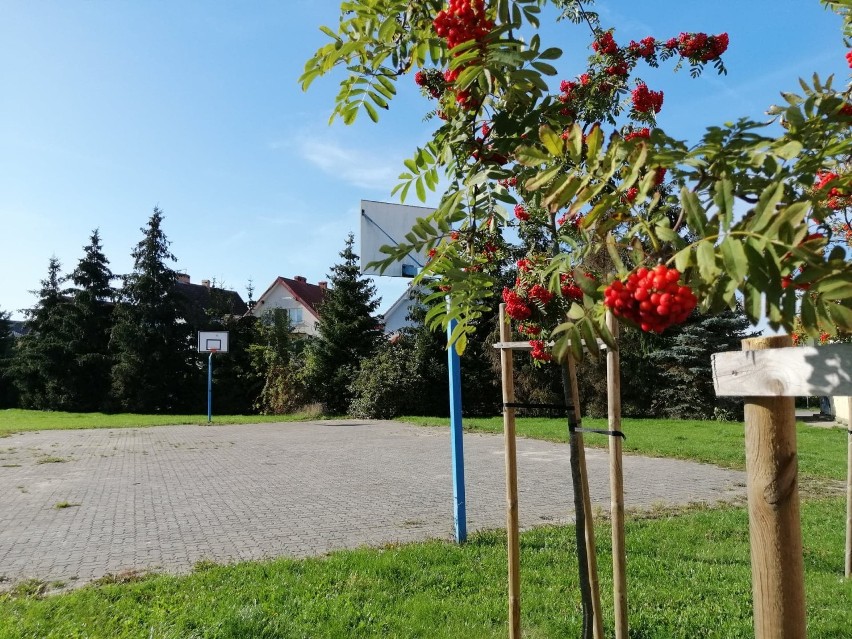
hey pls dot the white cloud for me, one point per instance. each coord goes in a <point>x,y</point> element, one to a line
<point>357,167</point>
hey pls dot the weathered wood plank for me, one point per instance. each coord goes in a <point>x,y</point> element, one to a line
<point>784,372</point>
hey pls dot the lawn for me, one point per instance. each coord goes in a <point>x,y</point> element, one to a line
<point>16,420</point>
<point>822,451</point>
<point>436,589</point>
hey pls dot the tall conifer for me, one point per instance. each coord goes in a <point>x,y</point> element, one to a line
<point>348,333</point>
<point>151,340</point>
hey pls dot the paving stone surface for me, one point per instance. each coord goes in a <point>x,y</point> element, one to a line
<point>77,505</point>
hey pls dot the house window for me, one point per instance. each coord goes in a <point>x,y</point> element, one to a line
<point>295,315</point>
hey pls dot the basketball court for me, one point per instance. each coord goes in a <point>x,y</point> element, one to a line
<point>164,498</point>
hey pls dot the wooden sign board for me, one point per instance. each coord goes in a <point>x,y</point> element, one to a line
<point>800,371</point>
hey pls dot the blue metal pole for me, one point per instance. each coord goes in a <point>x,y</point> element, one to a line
<point>210,388</point>
<point>460,512</point>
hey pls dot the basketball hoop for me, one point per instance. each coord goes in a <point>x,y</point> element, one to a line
<point>213,351</point>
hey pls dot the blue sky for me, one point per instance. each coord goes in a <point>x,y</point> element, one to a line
<point>110,108</point>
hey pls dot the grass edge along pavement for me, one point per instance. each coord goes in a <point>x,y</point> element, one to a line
<point>437,589</point>
<point>822,451</point>
<point>14,420</point>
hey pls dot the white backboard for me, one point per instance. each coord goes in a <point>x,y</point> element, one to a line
<point>209,341</point>
<point>383,223</point>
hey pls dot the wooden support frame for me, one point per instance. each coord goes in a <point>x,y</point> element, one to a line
<point>777,370</point>
<point>506,348</point>
<point>510,448</point>
<point>616,484</point>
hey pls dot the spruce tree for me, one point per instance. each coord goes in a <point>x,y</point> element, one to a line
<point>348,333</point>
<point>92,299</point>
<point>685,371</point>
<point>43,360</point>
<point>7,348</point>
<point>150,340</point>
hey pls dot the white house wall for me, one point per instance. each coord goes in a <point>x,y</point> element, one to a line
<point>281,297</point>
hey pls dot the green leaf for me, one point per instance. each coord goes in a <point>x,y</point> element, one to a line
<point>841,316</point>
<point>684,259</point>
<point>790,150</point>
<point>551,140</point>
<point>723,197</point>
<point>839,288</point>
<point>589,338</point>
<point>575,144</point>
<point>734,258</point>
<point>544,68</point>
<point>706,257</point>
<point>576,311</point>
<point>542,178</point>
<point>764,211</point>
<point>752,303</point>
<point>371,111</point>
<point>531,156</point>
<point>696,217</point>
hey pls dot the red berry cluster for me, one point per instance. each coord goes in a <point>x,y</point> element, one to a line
<point>539,351</point>
<point>652,299</point>
<point>431,81</point>
<point>645,48</point>
<point>521,213</point>
<point>849,59</point>
<point>605,44</point>
<point>516,306</point>
<point>461,21</point>
<point>645,100</point>
<point>643,133</point>
<point>836,198</point>
<point>699,46</point>
<point>569,288</point>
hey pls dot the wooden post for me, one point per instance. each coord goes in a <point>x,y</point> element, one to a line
<point>512,527</point>
<point>849,491</point>
<point>588,519</point>
<point>773,510</point>
<point>616,484</point>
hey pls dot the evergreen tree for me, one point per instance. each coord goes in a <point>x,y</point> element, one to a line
<point>151,341</point>
<point>92,300</point>
<point>348,333</point>
<point>8,396</point>
<point>685,366</point>
<point>43,358</point>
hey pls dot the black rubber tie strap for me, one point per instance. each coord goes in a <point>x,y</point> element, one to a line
<point>611,433</point>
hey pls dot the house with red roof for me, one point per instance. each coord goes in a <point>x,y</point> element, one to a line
<point>298,298</point>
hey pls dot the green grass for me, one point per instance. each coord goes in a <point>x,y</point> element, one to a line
<point>16,420</point>
<point>822,451</point>
<point>435,589</point>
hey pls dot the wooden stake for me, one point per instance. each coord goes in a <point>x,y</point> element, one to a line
<point>512,527</point>
<point>588,520</point>
<point>849,491</point>
<point>616,484</point>
<point>773,510</point>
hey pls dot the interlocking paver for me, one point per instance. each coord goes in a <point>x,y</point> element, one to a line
<point>164,498</point>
